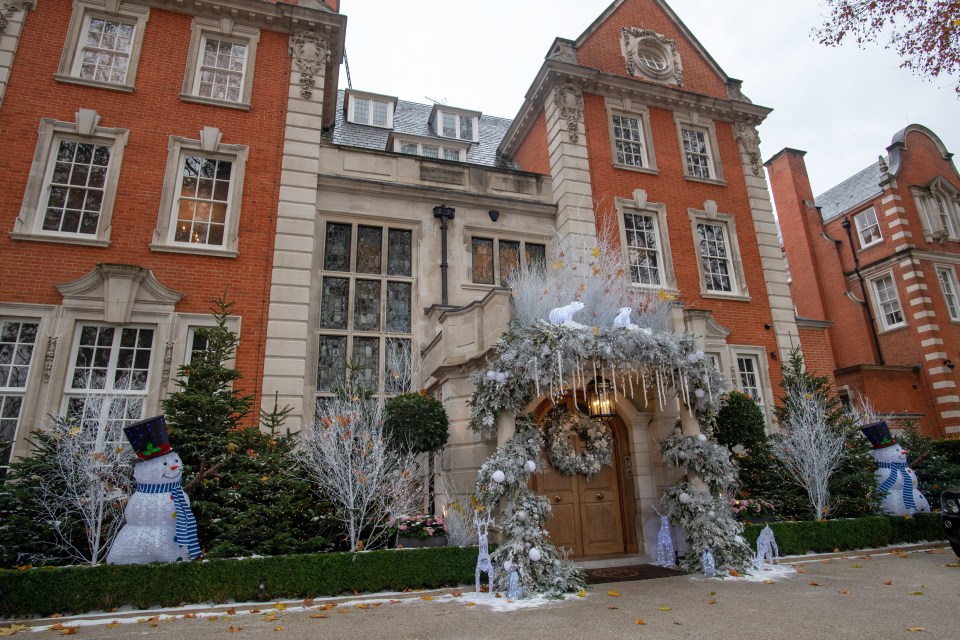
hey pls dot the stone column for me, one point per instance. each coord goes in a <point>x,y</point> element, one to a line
<point>13,13</point>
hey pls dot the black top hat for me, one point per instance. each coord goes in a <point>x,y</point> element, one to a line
<point>149,437</point>
<point>878,434</point>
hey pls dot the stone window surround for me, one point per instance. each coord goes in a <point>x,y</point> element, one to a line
<point>763,373</point>
<point>84,129</point>
<point>372,97</point>
<point>226,29</point>
<point>126,11</point>
<point>640,206</point>
<point>208,145</point>
<point>436,119</point>
<point>710,215</point>
<point>471,232</point>
<point>872,279</point>
<point>628,107</point>
<point>926,207</point>
<point>693,120</point>
<point>951,272</point>
<point>856,225</point>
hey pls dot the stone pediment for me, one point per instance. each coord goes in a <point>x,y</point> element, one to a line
<point>118,290</point>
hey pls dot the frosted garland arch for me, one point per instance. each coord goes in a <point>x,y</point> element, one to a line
<point>540,359</point>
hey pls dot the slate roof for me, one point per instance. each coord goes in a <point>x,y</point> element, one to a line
<point>859,187</point>
<point>414,119</point>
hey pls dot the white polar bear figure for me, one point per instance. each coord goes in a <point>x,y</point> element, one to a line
<point>897,483</point>
<point>622,321</point>
<point>564,315</point>
<point>150,531</point>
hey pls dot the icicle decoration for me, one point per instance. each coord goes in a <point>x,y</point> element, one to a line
<point>665,554</point>
<point>536,376</point>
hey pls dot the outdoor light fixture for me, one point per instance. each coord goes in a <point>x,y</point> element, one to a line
<point>599,399</point>
<point>949,364</point>
<point>494,215</point>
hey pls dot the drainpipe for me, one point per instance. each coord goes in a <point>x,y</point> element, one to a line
<point>444,213</point>
<point>863,290</point>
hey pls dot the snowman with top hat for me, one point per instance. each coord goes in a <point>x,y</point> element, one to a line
<point>159,526</point>
<point>897,483</point>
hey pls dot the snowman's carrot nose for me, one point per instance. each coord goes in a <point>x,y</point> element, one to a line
<point>176,466</point>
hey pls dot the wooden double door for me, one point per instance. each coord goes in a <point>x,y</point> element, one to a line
<point>587,516</point>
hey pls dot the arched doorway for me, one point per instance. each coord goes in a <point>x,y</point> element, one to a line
<point>589,515</point>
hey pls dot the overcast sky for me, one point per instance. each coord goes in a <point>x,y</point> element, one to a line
<point>842,105</point>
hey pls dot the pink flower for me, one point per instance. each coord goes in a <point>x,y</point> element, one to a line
<point>403,527</point>
<point>429,531</point>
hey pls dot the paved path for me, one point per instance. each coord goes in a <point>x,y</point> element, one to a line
<point>878,598</point>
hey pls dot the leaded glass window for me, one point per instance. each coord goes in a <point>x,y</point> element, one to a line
<point>17,342</point>
<point>483,260</point>
<point>536,255</point>
<point>509,259</point>
<point>333,303</point>
<point>396,372</point>
<point>331,362</point>
<point>380,113</point>
<point>336,254</point>
<point>369,253</point>
<point>466,128</point>
<point>429,151</point>
<point>363,299</point>
<point>361,110</point>
<point>398,307</point>
<point>366,305</point>
<point>449,125</point>
<point>398,252</point>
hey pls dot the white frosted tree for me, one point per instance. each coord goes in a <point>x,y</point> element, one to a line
<point>809,446</point>
<point>347,456</point>
<point>87,476</point>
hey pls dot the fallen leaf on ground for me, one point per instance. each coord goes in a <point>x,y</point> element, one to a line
<point>254,610</point>
<point>666,608</point>
<point>712,593</point>
<point>497,595</point>
<point>471,604</point>
<point>916,628</point>
<point>952,564</point>
<point>308,602</point>
<point>677,623</point>
<point>854,566</point>
<point>110,625</point>
<point>888,582</point>
<point>457,594</point>
<point>376,604</point>
<point>12,629</point>
<point>319,615</point>
<point>712,601</point>
<point>582,593</point>
<point>813,584</point>
<point>231,611</point>
<point>211,618</point>
<point>328,606</point>
<point>278,628</point>
<point>187,616</point>
<point>801,570</point>
<point>768,582</point>
<point>69,631</point>
<point>612,607</point>
<point>363,606</point>
<point>614,593</point>
<point>270,617</point>
<point>235,629</point>
<point>59,625</point>
<point>915,593</point>
<point>56,615</point>
<point>641,621</point>
<point>395,602</point>
<point>734,573</point>
<point>279,606</point>
<point>827,561</point>
<point>844,592</point>
<point>428,598</point>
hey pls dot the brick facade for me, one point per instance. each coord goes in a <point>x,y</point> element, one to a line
<point>904,366</point>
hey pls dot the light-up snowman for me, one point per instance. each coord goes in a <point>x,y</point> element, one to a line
<point>896,481</point>
<point>159,526</point>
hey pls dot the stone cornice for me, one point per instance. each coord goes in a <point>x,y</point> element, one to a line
<point>554,73</point>
<point>9,7</point>
<point>422,192</point>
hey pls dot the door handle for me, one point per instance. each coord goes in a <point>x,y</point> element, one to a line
<point>557,498</point>
<point>599,496</point>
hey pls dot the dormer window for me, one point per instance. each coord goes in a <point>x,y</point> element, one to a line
<point>369,109</point>
<point>455,123</point>
<point>431,148</point>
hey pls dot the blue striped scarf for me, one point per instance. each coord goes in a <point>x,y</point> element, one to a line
<point>186,523</point>
<point>897,469</point>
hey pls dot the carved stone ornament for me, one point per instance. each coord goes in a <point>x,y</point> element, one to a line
<point>749,140</point>
<point>569,101</point>
<point>651,55</point>
<point>310,52</point>
<point>7,9</point>
<point>49,356</point>
<point>167,362</point>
